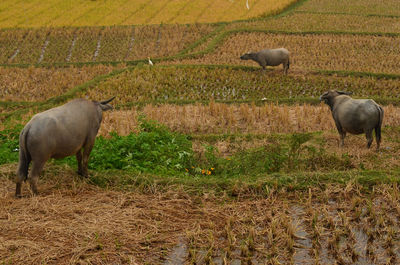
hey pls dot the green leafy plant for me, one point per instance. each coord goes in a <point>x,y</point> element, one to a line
<point>9,145</point>
<point>154,149</point>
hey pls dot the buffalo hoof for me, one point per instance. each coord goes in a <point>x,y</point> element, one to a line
<point>80,173</point>
<point>18,196</point>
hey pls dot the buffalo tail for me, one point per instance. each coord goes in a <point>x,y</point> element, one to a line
<point>379,126</point>
<point>24,156</point>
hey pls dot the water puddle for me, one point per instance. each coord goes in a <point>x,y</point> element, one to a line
<point>96,53</point>
<point>131,42</point>
<point>302,237</point>
<point>178,254</point>
<point>14,55</point>
<point>46,43</point>
<point>360,246</point>
<point>354,245</point>
<point>71,49</point>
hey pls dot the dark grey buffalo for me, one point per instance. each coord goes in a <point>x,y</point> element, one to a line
<point>269,57</point>
<point>63,131</point>
<point>354,116</point>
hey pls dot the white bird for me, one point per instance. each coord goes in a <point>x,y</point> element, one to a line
<point>150,62</point>
<point>247,4</point>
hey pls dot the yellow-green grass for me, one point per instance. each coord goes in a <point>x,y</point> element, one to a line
<point>376,54</point>
<point>58,13</point>
<point>359,7</point>
<point>39,84</point>
<point>297,22</point>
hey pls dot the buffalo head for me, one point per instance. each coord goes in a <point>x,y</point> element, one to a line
<point>329,95</point>
<point>246,56</point>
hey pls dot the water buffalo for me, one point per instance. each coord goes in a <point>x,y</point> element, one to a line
<point>354,116</point>
<point>63,131</point>
<point>271,57</point>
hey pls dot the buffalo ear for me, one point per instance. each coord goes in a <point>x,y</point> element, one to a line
<point>105,107</point>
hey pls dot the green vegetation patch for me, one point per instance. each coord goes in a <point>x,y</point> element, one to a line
<point>157,150</point>
<point>158,158</point>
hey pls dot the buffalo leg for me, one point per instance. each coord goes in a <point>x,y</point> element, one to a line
<point>378,137</point>
<point>18,190</point>
<point>79,160</point>
<point>85,158</point>
<point>342,136</point>
<point>368,134</point>
<point>21,176</point>
<point>285,67</point>
<point>341,132</point>
<point>34,175</point>
<point>22,173</point>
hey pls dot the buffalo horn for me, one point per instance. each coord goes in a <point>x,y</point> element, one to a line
<point>106,101</point>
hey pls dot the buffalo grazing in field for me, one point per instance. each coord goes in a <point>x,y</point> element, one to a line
<point>269,57</point>
<point>354,116</point>
<point>59,132</point>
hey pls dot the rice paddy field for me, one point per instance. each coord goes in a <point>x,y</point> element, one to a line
<point>205,158</point>
<point>48,13</point>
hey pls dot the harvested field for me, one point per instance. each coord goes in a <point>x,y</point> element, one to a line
<point>39,84</point>
<point>217,118</point>
<point>89,44</point>
<point>74,222</point>
<point>166,40</point>
<point>376,54</point>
